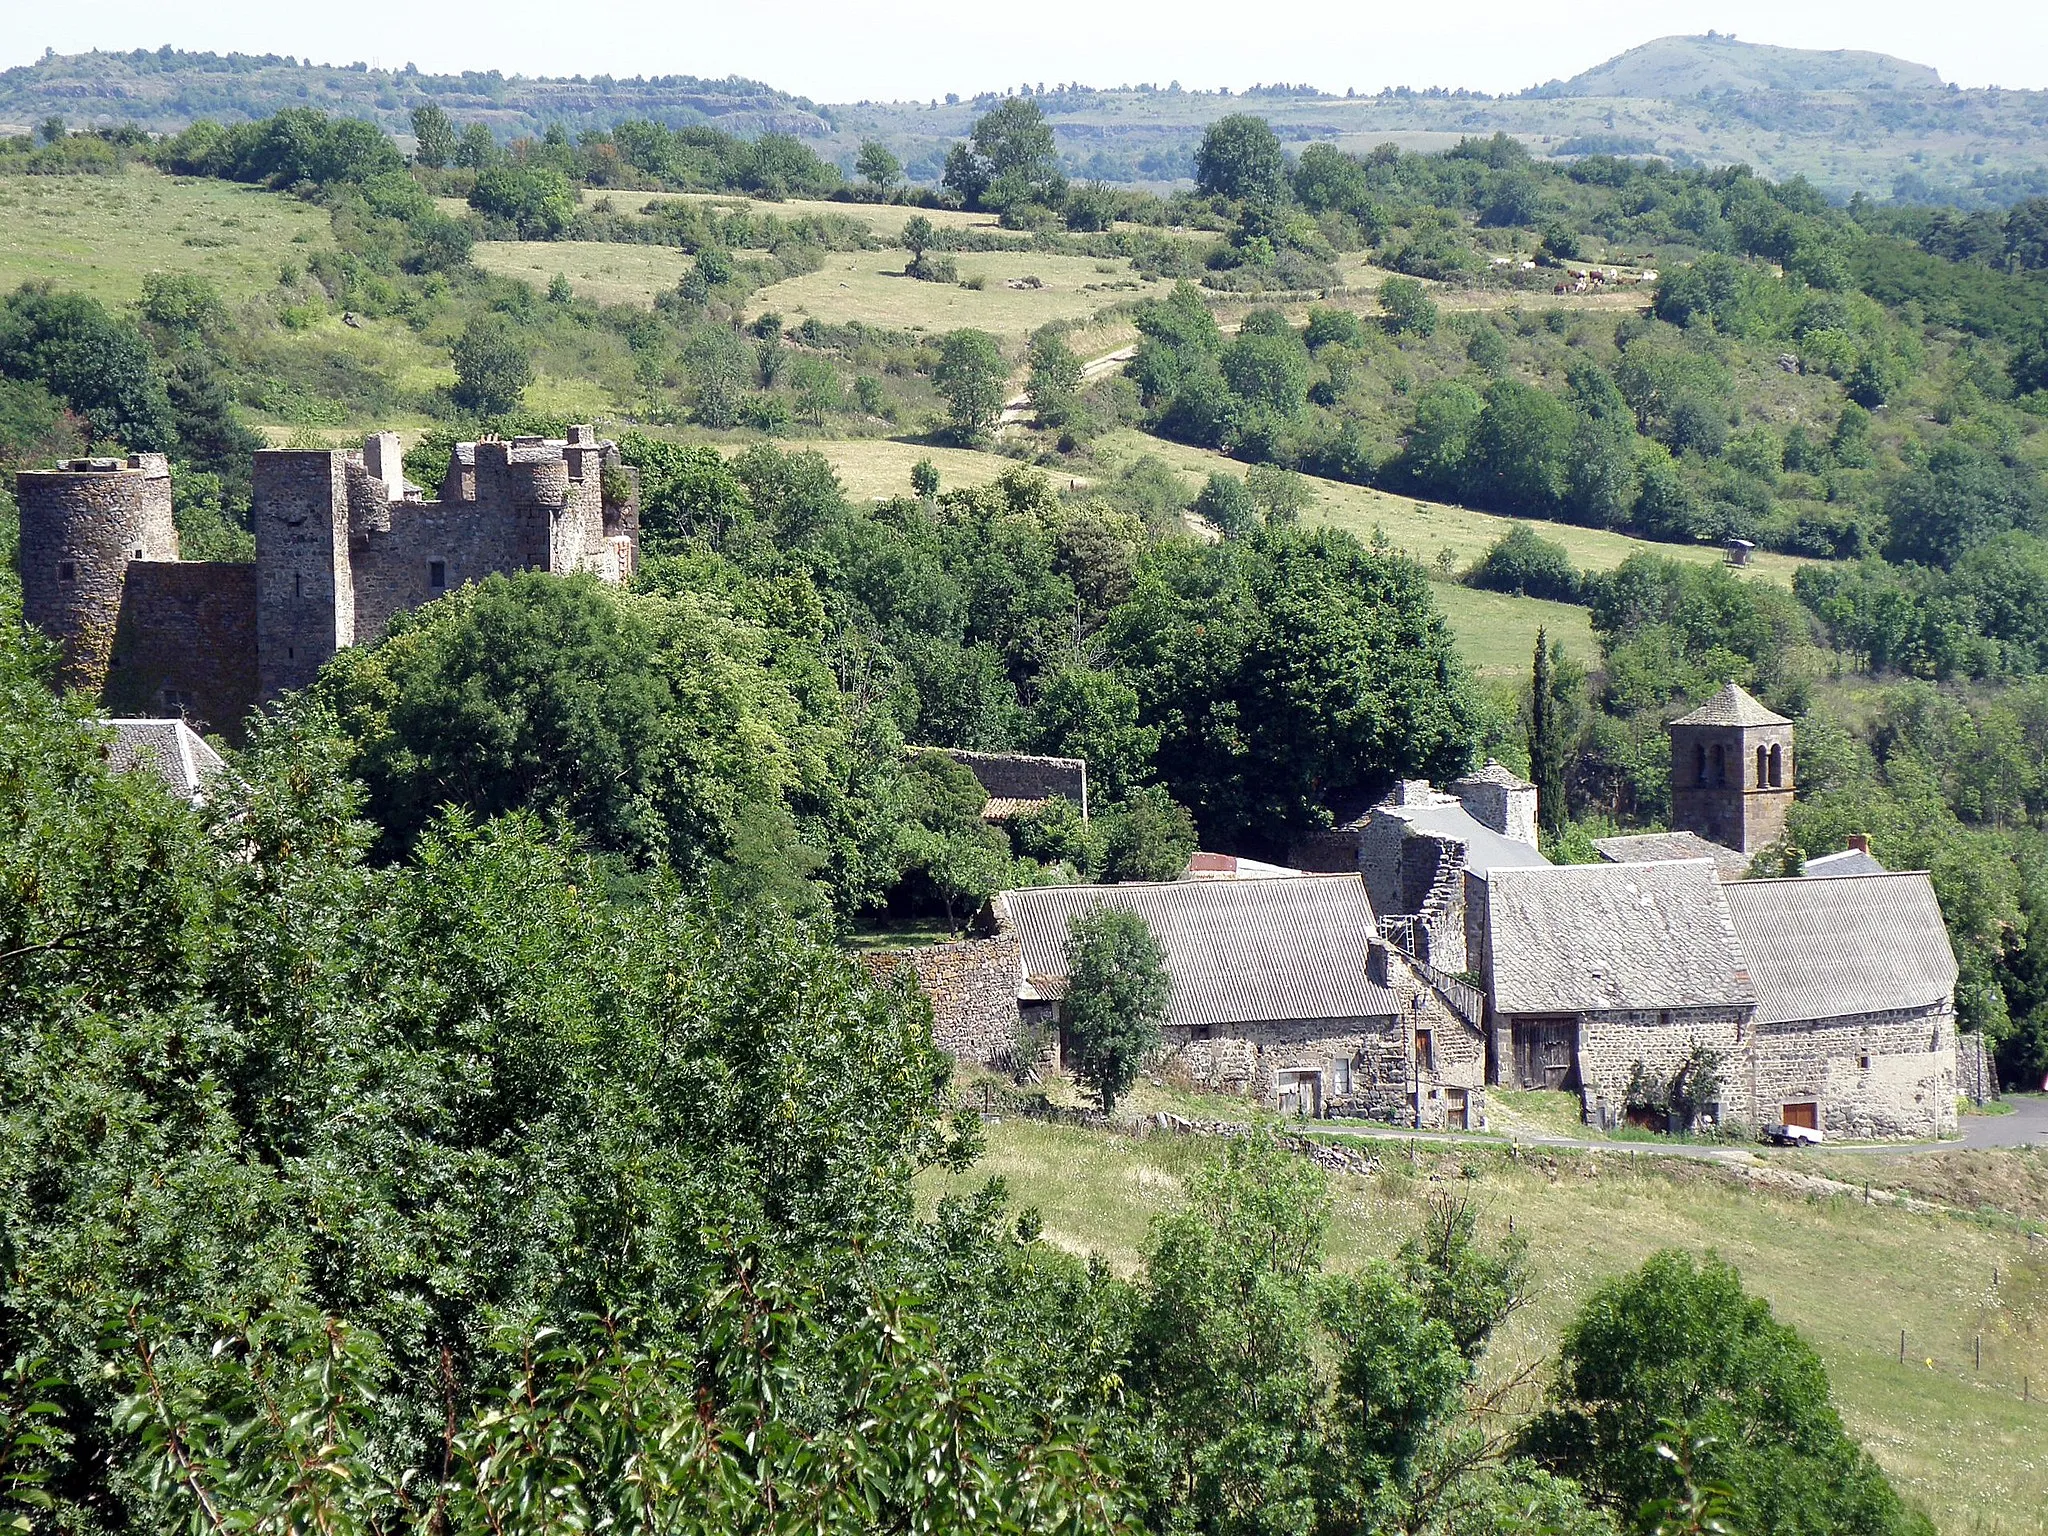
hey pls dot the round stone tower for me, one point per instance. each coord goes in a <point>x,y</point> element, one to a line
<point>82,525</point>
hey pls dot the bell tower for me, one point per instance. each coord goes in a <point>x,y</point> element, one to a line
<point>1731,771</point>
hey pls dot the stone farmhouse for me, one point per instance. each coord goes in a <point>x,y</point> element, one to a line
<point>1827,1003</point>
<point>1018,784</point>
<point>343,544</point>
<point>1282,989</point>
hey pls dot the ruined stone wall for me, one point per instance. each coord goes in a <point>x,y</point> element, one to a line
<point>1974,1069</point>
<point>305,597</point>
<point>1508,809</point>
<point>1873,1075</point>
<point>82,525</point>
<point>187,642</point>
<point>972,986</point>
<point>394,568</point>
<point>1379,842</point>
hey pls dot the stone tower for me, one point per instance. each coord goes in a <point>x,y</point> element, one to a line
<point>305,595</point>
<point>1731,771</point>
<point>82,525</point>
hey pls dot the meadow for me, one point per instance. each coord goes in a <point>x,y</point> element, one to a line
<point>103,234</point>
<point>1960,1443</point>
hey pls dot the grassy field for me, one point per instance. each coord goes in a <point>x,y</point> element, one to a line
<point>869,286</point>
<point>103,234</point>
<point>1962,1445</point>
<point>871,467</point>
<point>607,271</point>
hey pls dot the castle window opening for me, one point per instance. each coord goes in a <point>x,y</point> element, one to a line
<point>1720,764</point>
<point>138,551</point>
<point>296,592</point>
<point>1699,771</point>
<point>67,571</point>
<point>1777,767</point>
<point>1760,758</point>
<point>437,575</point>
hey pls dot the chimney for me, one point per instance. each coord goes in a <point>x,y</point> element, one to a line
<point>1860,841</point>
<point>1377,966</point>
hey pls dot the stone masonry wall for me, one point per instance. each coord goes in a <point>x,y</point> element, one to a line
<point>187,639</point>
<point>1974,1074</point>
<point>973,990</point>
<point>1874,1075</point>
<point>1610,1045</point>
<point>305,598</point>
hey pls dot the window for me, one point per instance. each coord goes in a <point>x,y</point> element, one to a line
<point>1777,767</point>
<point>67,570</point>
<point>1699,767</point>
<point>1720,764</point>
<point>1760,755</point>
<point>437,575</point>
<point>296,592</point>
<point>1425,1057</point>
<point>1340,1075</point>
<point>138,551</point>
<point>1863,1061</point>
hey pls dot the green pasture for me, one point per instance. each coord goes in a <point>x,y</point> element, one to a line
<point>103,234</point>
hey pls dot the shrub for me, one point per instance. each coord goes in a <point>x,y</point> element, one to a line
<point>1526,564</point>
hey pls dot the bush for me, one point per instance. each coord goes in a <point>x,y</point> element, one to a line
<point>492,369</point>
<point>1526,564</point>
<point>1407,306</point>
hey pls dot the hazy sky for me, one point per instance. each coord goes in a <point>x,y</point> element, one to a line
<point>837,51</point>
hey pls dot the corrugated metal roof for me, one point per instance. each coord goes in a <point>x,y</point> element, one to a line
<point>1239,951</point>
<point>1731,706</point>
<point>1820,949</point>
<point>1591,937</point>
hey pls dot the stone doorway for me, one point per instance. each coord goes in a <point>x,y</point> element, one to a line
<point>1301,1093</point>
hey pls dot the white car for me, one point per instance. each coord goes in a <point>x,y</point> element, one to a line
<point>1782,1135</point>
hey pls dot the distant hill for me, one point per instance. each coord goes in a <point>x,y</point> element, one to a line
<point>165,88</point>
<point>1674,67</point>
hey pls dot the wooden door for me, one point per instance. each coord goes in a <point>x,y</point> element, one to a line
<point>1546,1052</point>
<point>1806,1115</point>
<point>1455,1114</point>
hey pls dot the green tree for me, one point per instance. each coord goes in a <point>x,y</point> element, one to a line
<point>1679,1340</point>
<point>1552,728</point>
<point>1148,836</point>
<point>1227,504</point>
<point>877,166</point>
<point>476,148</point>
<point>971,375</point>
<point>492,368</point>
<point>100,366</point>
<point>1054,386</point>
<point>1117,991</point>
<point>1268,371</point>
<point>1094,716</point>
<point>536,200</point>
<point>1009,159</point>
<point>1407,306</point>
<point>1521,450</point>
<point>434,135</point>
<point>1280,494</point>
<point>1239,157</point>
<point>924,479</point>
<point>815,382</point>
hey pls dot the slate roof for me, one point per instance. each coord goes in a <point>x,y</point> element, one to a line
<point>1664,847</point>
<point>1485,849</point>
<point>1850,861</point>
<point>170,749</point>
<point>1586,938</point>
<point>1821,949</point>
<point>1731,706</point>
<point>1239,951</point>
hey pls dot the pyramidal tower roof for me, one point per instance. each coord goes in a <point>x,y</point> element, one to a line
<point>1731,706</point>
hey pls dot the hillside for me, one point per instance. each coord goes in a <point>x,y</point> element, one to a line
<point>1953,1439</point>
<point>1784,111</point>
<point>1672,68</point>
<point>165,89</point>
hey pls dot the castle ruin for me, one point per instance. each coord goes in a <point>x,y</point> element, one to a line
<point>343,545</point>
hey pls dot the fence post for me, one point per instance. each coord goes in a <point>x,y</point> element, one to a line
<point>1980,1353</point>
<point>1902,1346</point>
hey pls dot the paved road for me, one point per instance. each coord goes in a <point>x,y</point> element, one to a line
<point>2026,1126</point>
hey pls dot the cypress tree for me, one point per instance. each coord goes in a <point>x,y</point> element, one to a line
<point>1546,741</point>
